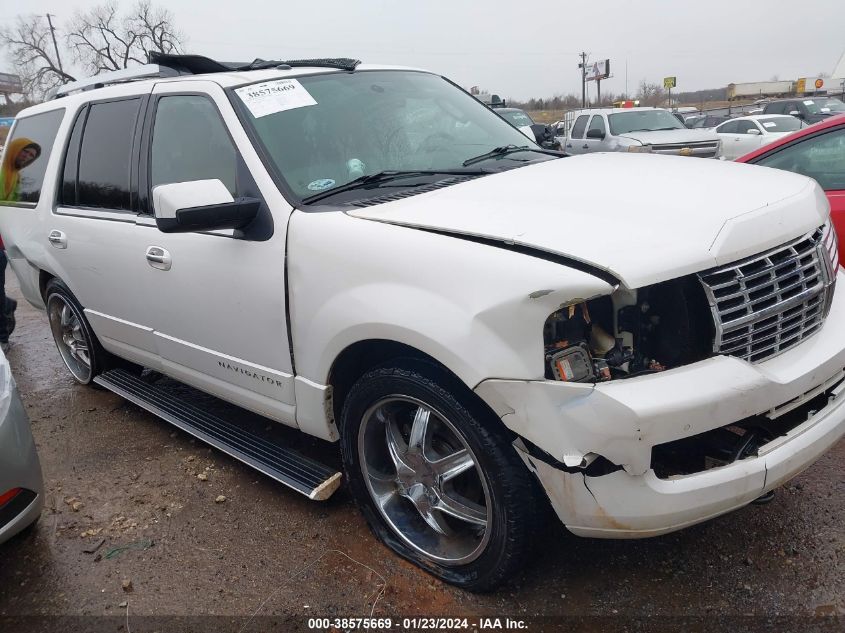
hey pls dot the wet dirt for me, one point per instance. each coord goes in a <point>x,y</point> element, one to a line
<point>168,548</point>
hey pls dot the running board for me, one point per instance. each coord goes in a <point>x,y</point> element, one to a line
<point>305,475</point>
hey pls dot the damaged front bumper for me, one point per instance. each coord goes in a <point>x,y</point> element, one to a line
<point>622,421</point>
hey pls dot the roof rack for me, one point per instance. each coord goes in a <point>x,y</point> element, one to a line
<point>198,64</point>
<point>147,71</point>
<point>169,65</point>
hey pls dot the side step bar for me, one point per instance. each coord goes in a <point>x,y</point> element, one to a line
<point>305,475</point>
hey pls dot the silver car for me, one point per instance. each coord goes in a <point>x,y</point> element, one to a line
<point>21,483</point>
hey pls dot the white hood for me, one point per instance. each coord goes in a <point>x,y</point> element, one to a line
<point>643,218</point>
<point>683,135</point>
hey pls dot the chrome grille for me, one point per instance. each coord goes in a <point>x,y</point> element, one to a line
<point>768,303</point>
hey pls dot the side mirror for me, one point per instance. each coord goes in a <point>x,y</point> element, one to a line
<point>754,131</point>
<point>200,205</point>
<point>541,132</point>
<point>597,134</point>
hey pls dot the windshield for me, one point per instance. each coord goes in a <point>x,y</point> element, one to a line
<point>327,130</point>
<point>781,124</point>
<point>517,118</point>
<point>824,106</point>
<point>642,121</point>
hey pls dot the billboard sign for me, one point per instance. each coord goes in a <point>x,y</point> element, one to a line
<point>10,83</point>
<point>598,70</point>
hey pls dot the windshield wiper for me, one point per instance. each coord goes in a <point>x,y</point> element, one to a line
<point>504,150</point>
<point>386,176</point>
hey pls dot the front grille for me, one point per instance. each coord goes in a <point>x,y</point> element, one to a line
<point>711,145</point>
<point>768,303</point>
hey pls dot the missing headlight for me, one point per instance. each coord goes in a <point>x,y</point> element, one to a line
<point>629,333</point>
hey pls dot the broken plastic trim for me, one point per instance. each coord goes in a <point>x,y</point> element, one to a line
<point>598,467</point>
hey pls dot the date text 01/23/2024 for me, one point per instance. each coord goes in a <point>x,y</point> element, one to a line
<point>416,624</point>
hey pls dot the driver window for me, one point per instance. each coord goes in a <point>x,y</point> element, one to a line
<point>597,123</point>
<point>190,142</point>
<point>821,157</point>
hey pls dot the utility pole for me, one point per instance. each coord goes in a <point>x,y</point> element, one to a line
<point>583,67</point>
<point>55,46</point>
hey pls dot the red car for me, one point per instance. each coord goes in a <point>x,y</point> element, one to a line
<point>817,151</point>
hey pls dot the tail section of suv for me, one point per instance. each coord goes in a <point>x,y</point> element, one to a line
<point>369,254</point>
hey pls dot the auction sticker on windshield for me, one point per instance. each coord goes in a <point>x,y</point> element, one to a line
<point>270,97</point>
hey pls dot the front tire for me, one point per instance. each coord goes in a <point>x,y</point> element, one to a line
<point>79,348</point>
<point>435,475</point>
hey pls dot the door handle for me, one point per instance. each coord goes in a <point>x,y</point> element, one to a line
<point>585,146</point>
<point>57,238</point>
<point>157,257</point>
<point>569,145</point>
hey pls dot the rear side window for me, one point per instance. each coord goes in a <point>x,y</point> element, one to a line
<point>190,142</point>
<point>580,126</point>
<point>105,155</point>
<point>25,158</point>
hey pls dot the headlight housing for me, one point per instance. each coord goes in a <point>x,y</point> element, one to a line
<point>640,148</point>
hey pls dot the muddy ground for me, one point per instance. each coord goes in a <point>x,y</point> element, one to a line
<point>166,548</point>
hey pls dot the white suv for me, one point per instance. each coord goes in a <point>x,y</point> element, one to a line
<point>371,255</point>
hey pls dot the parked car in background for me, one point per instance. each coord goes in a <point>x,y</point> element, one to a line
<point>540,133</point>
<point>519,119</point>
<point>745,134</point>
<point>21,483</point>
<point>709,121</point>
<point>817,151</point>
<point>636,130</point>
<point>810,109</point>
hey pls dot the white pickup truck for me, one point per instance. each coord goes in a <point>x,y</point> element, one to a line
<point>370,255</point>
<point>643,130</point>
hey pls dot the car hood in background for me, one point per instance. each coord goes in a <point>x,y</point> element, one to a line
<point>642,218</point>
<point>672,136</point>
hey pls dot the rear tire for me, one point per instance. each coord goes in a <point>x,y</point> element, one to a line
<point>78,346</point>
<point>407,428</point>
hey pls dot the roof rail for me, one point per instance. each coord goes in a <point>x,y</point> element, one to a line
<point>147,71</point>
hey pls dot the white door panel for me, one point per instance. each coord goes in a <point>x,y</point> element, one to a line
<point>220,317</point>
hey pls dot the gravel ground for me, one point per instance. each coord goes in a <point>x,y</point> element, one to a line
<point>132,529</point>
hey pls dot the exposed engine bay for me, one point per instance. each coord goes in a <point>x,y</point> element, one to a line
<point>629,333</point>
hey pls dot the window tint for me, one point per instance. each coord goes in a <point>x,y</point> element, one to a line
<point>774,108</point>
<point>190,142</point>
<point>580,126</point>
<point>105,155</point>
<point>821,157</point>
<point>25,159</point>
<point>727,128</point>
<point>597,123</point>
<point>743,127</point>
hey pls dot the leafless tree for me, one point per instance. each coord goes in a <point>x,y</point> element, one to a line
<point>102,39</point>
<point>650,94</point>
<point>30,48</point>
<point>99,40</point>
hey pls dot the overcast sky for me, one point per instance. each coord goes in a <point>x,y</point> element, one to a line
<point>518,49</point>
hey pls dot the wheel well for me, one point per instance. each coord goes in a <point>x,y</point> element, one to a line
<point>43,279</point>
<point>360,357</point>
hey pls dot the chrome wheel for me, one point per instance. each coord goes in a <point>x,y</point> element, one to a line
<point>70,337</point>
<point>425,480</point>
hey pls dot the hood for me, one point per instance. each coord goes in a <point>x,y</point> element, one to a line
<point>642,218</point>
<point>672,136</point>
